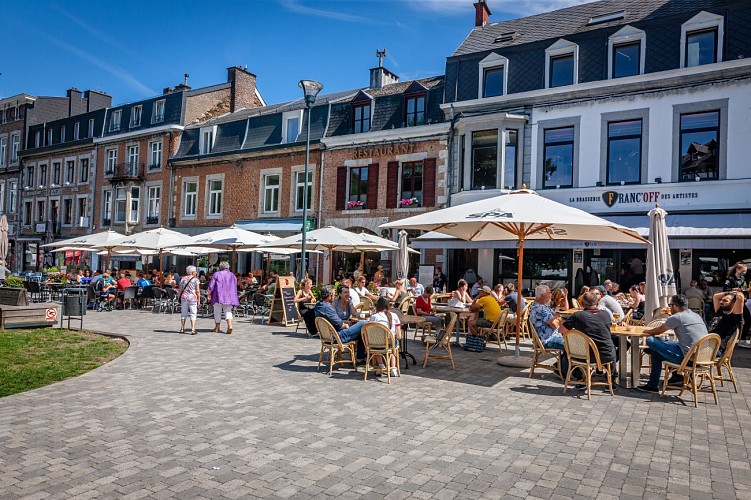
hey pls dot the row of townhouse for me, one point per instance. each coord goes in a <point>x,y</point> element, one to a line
<point>609,106</point>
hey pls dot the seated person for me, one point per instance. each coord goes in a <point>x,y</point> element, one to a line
<point>343,304</point>
<point>688,327</point>
<point>460,297</point>
<point>560,299</point>
<point>415,288</point>
<point>546,322</point>
<point>636,301</point>
<point>362,289</point>
<point>390,321</point>
<point>608,302</point>
<point>424,308</point>
<point>512,297</point>
<point>347,331</point>
<point>486,303</point>
<point>499,292</point>
<point>728,314</point>
<point>595,324</point>
<point>399,293</point>
<point>354,297</point>
<point>476,286</point>
<point>107,287</point>
<point>305,301</point>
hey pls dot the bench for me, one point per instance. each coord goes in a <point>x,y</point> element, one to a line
<point>26,316</point>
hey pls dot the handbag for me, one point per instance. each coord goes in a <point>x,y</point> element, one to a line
<point>474,343</point>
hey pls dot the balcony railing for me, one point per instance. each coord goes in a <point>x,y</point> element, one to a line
<point>158,118</point>
<point>125,172</point>
<point>152,219</point>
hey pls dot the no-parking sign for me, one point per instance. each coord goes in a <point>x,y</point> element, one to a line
<point>51,315</point>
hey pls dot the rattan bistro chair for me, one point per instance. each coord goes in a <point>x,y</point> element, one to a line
<point>497,330</point>
<point>725,359</point>
<point>331,343</point>
<point>379,341</point>
<point>432,341</point>
<point>541,352</point>
<point>697,366</point>
<point>582,353</point>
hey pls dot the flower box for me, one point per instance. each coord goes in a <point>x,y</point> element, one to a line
<point>409,202</point>
<point>355,205</point>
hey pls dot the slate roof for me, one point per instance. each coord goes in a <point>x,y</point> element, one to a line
<point>563,22</point>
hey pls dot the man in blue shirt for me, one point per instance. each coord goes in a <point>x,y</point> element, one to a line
<point>546,322</point>
<point>347,332</point>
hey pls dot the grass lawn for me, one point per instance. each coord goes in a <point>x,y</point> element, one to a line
<point>38,357</point>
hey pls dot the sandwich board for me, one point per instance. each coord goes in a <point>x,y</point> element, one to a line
<point>283,309</point>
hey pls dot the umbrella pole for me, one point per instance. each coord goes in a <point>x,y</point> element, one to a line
<point>234,259</point>
<point>519,295</point>
<point>161,268</point>
<point>362,262</point>
<point>109,255</point>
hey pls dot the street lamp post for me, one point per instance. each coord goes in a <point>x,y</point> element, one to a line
<point>311,89</point>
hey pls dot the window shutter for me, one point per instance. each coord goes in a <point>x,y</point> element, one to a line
<point>372,186</point>
<point>392,185</point>
<point>341,188</point>
<point>428,183</point>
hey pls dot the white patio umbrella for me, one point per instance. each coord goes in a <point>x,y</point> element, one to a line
<point>154,239</point>
<point>232,239</point>
<point>103,241</point>
<point>402,256</point>
<point>519,216</point>
<point>660,274</point>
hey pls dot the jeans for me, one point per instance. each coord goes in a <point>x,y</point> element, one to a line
<point>662,351</point>
<point>555,341</point>
<point>435,321</point>
<point>353,333</point>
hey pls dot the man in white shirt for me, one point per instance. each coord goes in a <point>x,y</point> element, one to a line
<point>354,297</point>
<point>609,303</point>
<point>415,288</point>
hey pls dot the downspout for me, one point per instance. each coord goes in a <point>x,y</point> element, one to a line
<point>170,202</point>
<point>320,204</point>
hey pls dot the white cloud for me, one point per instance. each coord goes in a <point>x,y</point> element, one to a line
<point>297,7</point>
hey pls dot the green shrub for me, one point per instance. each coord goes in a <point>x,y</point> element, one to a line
<point>14,282</point>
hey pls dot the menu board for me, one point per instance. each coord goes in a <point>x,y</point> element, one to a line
<point>283,309</point>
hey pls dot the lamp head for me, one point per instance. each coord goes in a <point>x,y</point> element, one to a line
<point>310,88</point>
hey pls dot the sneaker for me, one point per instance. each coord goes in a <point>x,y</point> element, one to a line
<point>648,388</point>
<point>394,372</point>
<point>381,366</point>
<point>745,344</point>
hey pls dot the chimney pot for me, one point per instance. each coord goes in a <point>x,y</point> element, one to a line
<point>482,13</point>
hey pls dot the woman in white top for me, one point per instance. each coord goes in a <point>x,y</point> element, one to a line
<point>460,297</point>
<point>390,321</point>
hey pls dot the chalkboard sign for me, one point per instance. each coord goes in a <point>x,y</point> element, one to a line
<point>283,309</point>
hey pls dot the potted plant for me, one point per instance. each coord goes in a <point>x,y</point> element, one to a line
<point>355,205</point>
<point>409,202</point>
<point>13,292</point>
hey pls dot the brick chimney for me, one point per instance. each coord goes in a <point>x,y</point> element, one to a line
<point>243,88</point>
<point>75,104</point>
<point>97,100</point>
<point>482,13</point>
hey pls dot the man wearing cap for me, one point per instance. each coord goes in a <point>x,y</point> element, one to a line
<point>486,303</point>
<point>347,332</point>
<point>608,302</point>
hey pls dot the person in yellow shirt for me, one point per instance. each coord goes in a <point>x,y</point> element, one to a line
<point>489,305</point>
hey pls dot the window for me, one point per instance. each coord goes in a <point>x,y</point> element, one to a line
<point>415,110</point>
<point>699,143</point>
<point>135,116</point>
<point>70,172</point>
<point>56,173</point>
<point>49,137</point>
<point>484,159</point>
<point>207,140</point>
<point>107,207</point>
<point>509,166</point>
<point>190,188</point>
<point>155,155</point>
<point>27,211</point>
<point>2,197</point>
<point>558,157</point>
<point>291,125</point>
<point>300,187</point>
<point>626,60</point>
<point>362,118</point>
<point>624,152</point>
<point>702,40</point>
<point>271,186</point>
<point>38,139</point>
<point>12,196</point>
<point>76,130</point>
<point>55,214</point>
<point>30,177</point>
<point>135,204</point>
<point>493,73</point>
<point>120,205</point>
<point>154,194</point>
<point>3,150</point>
<point>111,161</point>
<point>42,176</point>
<point>132,160</point>
<point>412,181</point>
<point>91,128</point>
<point>84,170</point>
<point>158,116</point>
<point>15,143</point>
<point>41,211</point>
<point>561,64</point>
<point>82,212</point>
<point>62,133</point>
<point>115,119</point>
<point>358,187</point>
<point>68,212</point>
<point>215,197</point>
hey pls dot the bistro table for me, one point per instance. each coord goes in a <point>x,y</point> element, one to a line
<point>408,319</point>
<point>461,311</point>
<point>635,334</point>
<point>567,312</point>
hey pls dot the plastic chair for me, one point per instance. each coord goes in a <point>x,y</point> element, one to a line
<point>129,294</point>
<point>582,353</point>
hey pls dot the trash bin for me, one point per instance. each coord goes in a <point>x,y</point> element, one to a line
<point>74,305</point>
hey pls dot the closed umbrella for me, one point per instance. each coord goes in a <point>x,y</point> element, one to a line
<point>3,244</point>
<point>519,216</point>
<point>660,273</point>
<point>402,256</point>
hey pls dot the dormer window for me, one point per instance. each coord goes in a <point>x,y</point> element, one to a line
<point>49,137</point>
<point>135,116</point>
<point>626,51</point>
<point>206,143</point>
<point>415,105</point>
<point>291,126</point>
<point>701,40</point>
<point>158,112</point>
<point>561,64</point>
<point>361,118</point>
<point>493,76</point>
<point>62,133</point>
<point>115,119</point>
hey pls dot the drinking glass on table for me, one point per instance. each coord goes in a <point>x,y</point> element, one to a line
<point>616,318</point>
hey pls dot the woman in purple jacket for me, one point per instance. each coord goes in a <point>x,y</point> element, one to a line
<point>223,295</point>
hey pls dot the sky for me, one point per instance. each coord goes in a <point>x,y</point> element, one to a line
<point>133,49</point>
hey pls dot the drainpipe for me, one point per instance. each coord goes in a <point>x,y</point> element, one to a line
<point>170,203</point>
<point>320,202</point>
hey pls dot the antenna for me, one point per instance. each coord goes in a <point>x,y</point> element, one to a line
<point>380,54</point>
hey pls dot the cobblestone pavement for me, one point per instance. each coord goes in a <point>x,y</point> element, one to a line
<point>246,415</point>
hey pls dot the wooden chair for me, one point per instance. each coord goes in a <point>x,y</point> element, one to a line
<point>629,317</point>
<point>379,341</point>
<point>498,329</point>
<point>642,342</point>
<point>697,366</point>
<point>440,298</point>
<point>366,305</point>
<point>404,305</point>
<point>331,343</point>
<point>696,305</point>
<point>725,359</point>
<point>300,321</point>
<point>582,353</point>
<point>432,342</point>
<point>542,352</point>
